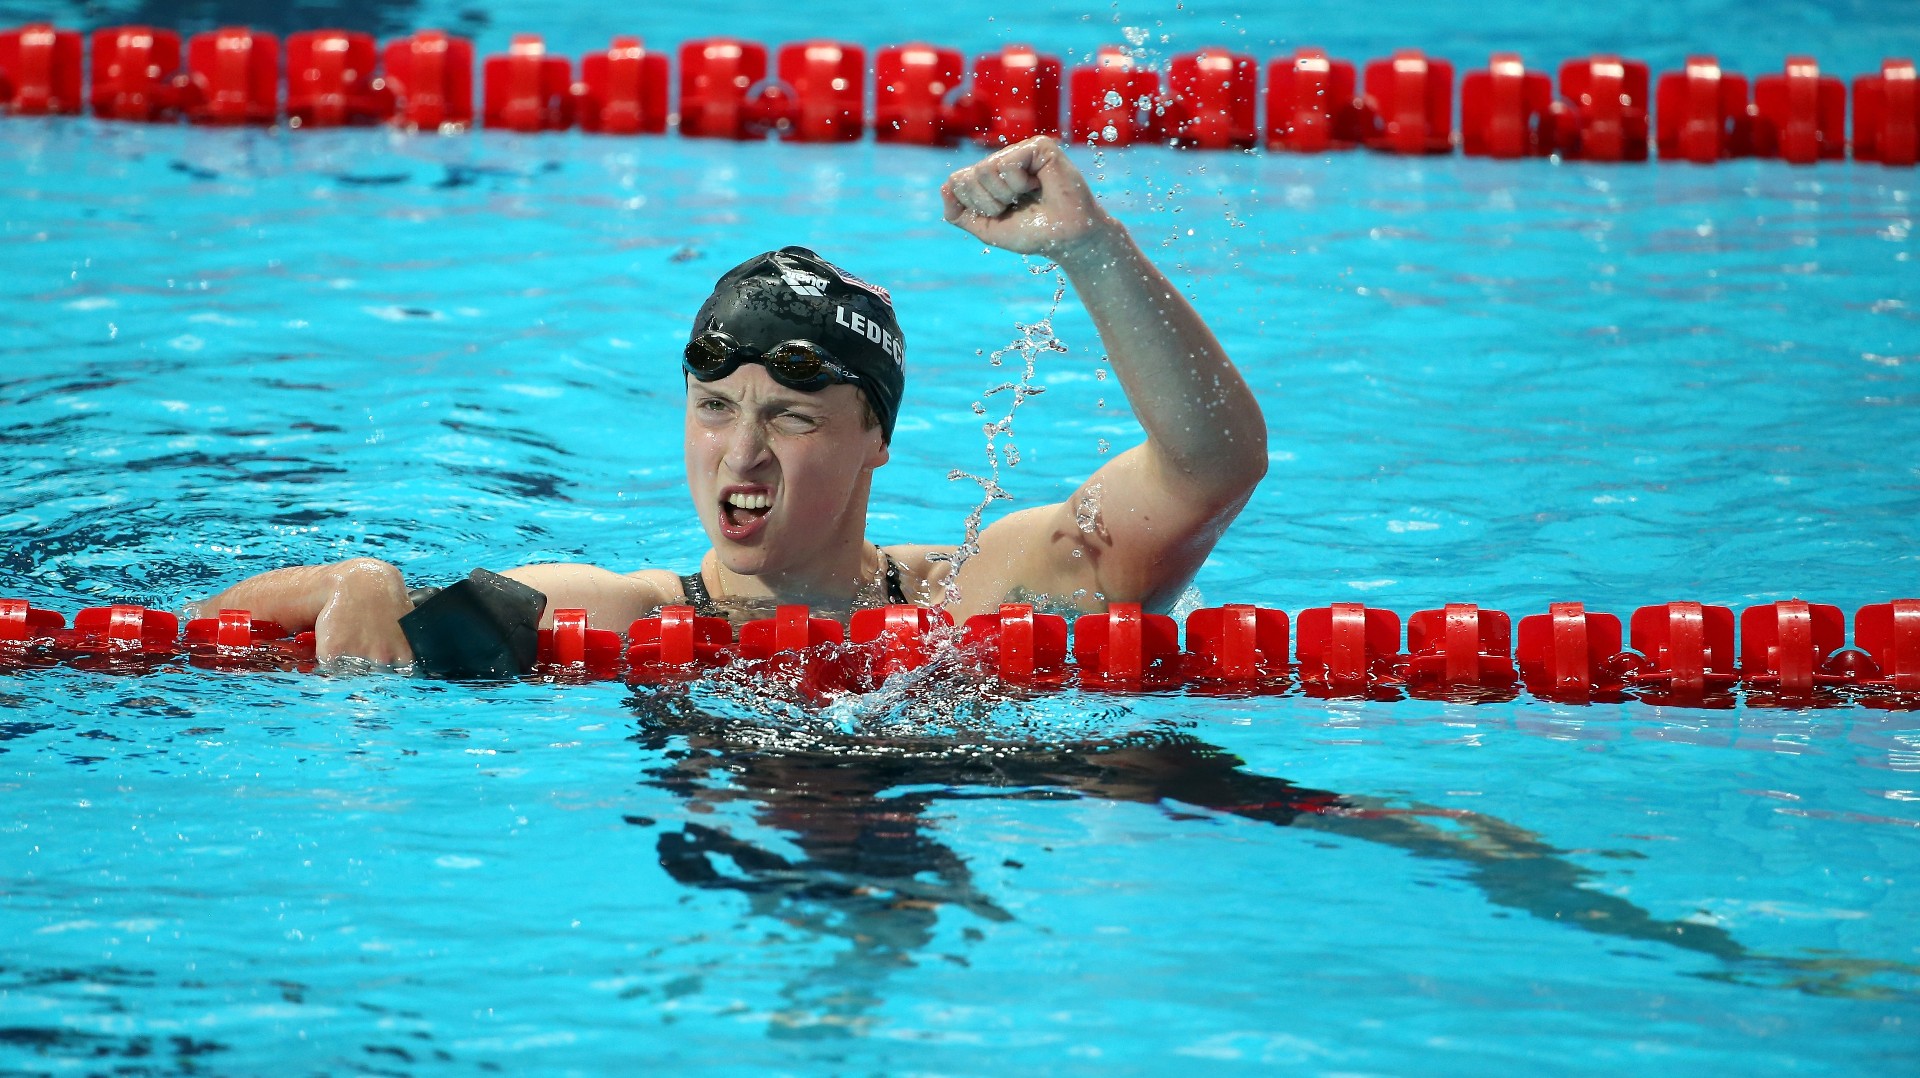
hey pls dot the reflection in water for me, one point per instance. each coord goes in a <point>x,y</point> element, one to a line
<point>870,871</point>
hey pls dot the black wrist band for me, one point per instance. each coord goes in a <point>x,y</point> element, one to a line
<point>485,626</point>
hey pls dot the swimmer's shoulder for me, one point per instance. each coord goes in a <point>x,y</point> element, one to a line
<point>665,581</point>
<point>660,586</point>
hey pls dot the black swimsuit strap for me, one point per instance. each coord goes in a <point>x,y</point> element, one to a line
<point>694,587</point>
<point>896,594</point>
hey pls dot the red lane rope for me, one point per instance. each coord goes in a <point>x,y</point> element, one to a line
<point>1608,108</point>
<point>1789,653</point>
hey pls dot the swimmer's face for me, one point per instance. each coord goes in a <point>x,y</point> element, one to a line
<point>779,476</point>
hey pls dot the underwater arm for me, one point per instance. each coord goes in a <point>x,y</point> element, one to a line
<point>1512,867</point>
<point>353,607</point>
<point>1138,529</point>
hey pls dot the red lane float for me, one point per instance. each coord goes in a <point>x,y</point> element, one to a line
<point>1237,644</point>
<point>431,77</point>
<point>1885,115</point>
<point>820,96</point>
<point>1210,99</point>
<point>1784,645</point>
<point>716,75</point>
<point>1800,115</point>
<point>1022,647</point>
<point>1688,650</point>
<point>1889,633</point>
<point>623,90</point>
<point>1128,648</point>
<point>1570,655</point>
<point>235,640</point>
<point>676,645</point>
<point>1703,114</point>
<point>1113,101</point>
<point>1506,110</point>
<point>1311,104</point>
<point>1213,101</point>
<point>21,623</point>
<point>792,643</point>
<point>914,86</point>
<point>1459,647</point>
<point>527,90</point>
<point>1682,654</point>
<point>233,77</point>
<point>232,630</point>
<point>1348,649</point>
<point>1604,110</point>
<point>571,648</point>
<point>331,80</point>
<point>1015,96</point>
<point>1409,101</point>
<point>122,631</point>
<point>135,69</point>
<point>895,639</point>
<point>40,71</point>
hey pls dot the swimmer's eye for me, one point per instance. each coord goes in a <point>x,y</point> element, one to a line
<point>713,406</point>
<point>795,422</point>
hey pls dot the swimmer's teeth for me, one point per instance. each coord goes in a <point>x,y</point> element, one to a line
<point>750,501</point>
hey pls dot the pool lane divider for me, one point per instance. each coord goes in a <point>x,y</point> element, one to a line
<point>1608,108</point>
<point>1686,654</point>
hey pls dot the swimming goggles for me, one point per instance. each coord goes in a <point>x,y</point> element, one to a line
<point>801,365</point>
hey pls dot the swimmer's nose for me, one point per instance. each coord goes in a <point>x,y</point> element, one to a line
<point>746,448</point>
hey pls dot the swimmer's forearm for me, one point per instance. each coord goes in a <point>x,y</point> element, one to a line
<point>292,597</point>
<point>353,607</point>
<point>1199,414</point>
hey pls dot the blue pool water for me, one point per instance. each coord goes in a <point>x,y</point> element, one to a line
<point>1509,383</point>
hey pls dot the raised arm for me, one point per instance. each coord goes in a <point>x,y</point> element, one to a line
<point>1139,529</point>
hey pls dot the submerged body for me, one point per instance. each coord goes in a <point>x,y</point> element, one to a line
<point>780,470</point>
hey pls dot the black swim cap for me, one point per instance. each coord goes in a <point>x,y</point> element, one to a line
<point>795,295</point>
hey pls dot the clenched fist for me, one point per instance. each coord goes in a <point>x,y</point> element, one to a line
<point>1029,199</point>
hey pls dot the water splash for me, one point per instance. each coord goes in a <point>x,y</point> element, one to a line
<point>949,707</point>
<point>1035,338</point>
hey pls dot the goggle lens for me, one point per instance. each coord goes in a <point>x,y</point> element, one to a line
<point>708,355</point>
<point>799,365</point>
<point>796,363</point>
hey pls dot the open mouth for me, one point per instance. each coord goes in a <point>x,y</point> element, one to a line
<point>743,510</point>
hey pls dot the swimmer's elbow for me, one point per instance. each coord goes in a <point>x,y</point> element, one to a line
<point>1224,479</point>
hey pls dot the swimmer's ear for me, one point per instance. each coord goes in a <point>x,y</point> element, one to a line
<point>881,453</point>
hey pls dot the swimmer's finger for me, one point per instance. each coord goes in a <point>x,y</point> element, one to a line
<point>1018,176</point>
<point>995,184</point>
<point>950,207</point>
<point>967,189</point>
<point>956,210</point>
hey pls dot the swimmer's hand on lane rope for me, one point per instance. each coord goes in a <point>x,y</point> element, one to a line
<point>483,626</point>
<point>1028,199</point>
<point>362,615</point>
